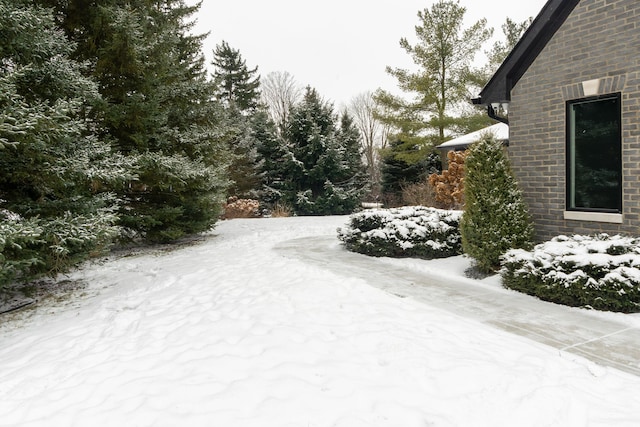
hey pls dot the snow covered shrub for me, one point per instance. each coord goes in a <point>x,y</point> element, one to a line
<point>495,216</point>
<point>72,239</point>
<point>241,208</point>
<point>31,248</point>
<point>19,241</point>
<point>601,272</point>
<point>413,231</point>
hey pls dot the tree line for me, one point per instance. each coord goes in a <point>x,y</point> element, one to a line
<point>113,131</point>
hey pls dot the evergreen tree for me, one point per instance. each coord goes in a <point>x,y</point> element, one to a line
<point>495,216</point>
<point>52,165</point>
<point>243,170</point>
<point>157,110</point>
<point>444,54</point>
<point>273,155</point>
<point>512,32</point>
<point>237,88</point>
<point>349,137</point>
<point>345,169</point>
<point>321,175</point>
<point>400,167</point>
<point>236,85</point>
<point>405,126</point>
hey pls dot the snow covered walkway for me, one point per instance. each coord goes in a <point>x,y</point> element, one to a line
<point>248,329</point>
<point>610,339</point>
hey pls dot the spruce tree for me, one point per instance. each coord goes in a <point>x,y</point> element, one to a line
<point>400,167</point>
<point>322,175</point>
<point>272,155</point>
<point>243,170</point>
<point>351,175</point>
<point>237,86</point>
<point>158,111</point>
<point>495,216</point>
<point>52,165</point>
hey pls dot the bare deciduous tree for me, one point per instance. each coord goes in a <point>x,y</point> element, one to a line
<point>374,133</point>
<point>280,91</point>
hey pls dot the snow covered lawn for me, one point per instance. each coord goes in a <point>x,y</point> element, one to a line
<point>230,332</point>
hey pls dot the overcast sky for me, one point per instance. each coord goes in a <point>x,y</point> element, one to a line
<point>339,47</point>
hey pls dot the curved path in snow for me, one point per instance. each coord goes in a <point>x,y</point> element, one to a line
<point>599,337</point>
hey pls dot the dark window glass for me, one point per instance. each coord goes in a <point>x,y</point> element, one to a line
<point>594,180</point>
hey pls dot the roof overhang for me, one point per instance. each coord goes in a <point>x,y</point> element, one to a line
<point>500,131</point>
<point>553,14</point>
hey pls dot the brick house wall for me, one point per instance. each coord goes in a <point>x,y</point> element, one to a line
<point>599,40</point>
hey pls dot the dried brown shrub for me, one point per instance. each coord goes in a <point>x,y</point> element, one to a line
<point>281,210</point>
<point>241,208</point>
<point>449,185</point>
<point>419,194</point>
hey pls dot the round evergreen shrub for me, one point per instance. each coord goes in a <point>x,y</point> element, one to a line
<point>495,216</point>
<point>600,272</point>
<point>413,231</point>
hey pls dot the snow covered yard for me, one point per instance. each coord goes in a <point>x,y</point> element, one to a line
<point>230,332</point>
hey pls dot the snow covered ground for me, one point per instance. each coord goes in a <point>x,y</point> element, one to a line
<point>234,332</point>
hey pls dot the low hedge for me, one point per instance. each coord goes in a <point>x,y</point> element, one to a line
<point>413,231</point>
<point>600,272</point>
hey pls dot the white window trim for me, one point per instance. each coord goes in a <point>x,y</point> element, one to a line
<point>593,216</point>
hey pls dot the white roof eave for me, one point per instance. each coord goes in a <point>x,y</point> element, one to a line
<point>500,131</point>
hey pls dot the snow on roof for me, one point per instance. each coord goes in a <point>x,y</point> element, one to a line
<point>499,130</point>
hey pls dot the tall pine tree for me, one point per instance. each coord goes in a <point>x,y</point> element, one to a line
<point>237,88</point>
<point>236,85</point>
<point>157,110</point>
<point>444,55</point>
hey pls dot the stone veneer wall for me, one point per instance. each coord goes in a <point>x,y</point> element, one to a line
<point>600,41</point>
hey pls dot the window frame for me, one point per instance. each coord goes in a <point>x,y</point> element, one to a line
<point>569,171</point>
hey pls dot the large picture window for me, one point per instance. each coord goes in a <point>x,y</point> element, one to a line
<point>594,165</point>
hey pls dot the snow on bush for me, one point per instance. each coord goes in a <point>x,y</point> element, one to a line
<point>600,272</point>
<point>495,214</point>
<point>33,247</point>
<point>413,231</point>
<point>17,242</point>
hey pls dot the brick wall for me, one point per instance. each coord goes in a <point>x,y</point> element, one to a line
<point>599,40</point>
